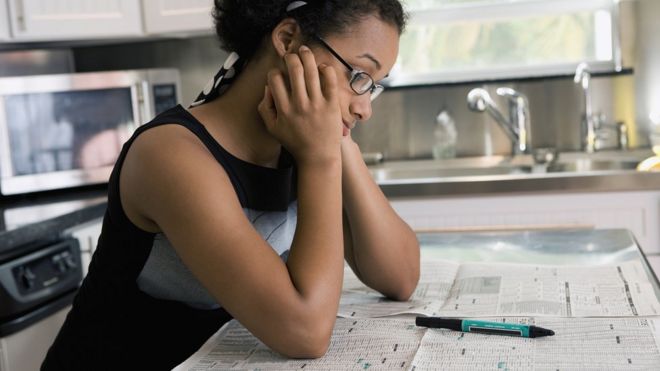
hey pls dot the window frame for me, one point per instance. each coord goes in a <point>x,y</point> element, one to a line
<point>509,11</point>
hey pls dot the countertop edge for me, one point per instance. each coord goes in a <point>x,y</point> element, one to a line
<point>13,240</point>
<point>616,182</point>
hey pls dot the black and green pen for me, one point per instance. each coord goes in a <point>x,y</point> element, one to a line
<point>484,327</point>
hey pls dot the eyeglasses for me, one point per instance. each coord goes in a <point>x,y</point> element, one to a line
<point>361,82</point>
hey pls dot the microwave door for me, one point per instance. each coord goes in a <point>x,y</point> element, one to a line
<point>5,152</point>
<point>63,139</point>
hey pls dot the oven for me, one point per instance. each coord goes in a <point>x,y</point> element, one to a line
<point>62,131</point>
<point>37,287</point>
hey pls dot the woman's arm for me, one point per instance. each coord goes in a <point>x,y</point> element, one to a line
<point>290,306</point>
<point>379,246</point>
<point>171,180</point>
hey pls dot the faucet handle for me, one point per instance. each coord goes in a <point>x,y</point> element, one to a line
<point>582,75</point>
<point>600,121</point>
<point>508,92</point>
<point>478,100</point>
<point>622,131</point>
<point>513,95</point>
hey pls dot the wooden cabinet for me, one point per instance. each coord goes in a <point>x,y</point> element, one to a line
<point>49,20</point>
<point>638,212</point>
<point>178,16</point>
<point>4,21</point>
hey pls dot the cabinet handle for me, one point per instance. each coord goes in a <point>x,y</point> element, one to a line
<point>20,15</point>
<point>139,105</point>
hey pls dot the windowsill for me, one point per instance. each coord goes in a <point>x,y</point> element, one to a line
<point>412,85</point>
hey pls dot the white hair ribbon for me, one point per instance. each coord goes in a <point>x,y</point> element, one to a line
<point>295,5</point>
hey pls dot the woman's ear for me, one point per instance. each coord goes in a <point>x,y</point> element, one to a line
<point>286,37</point>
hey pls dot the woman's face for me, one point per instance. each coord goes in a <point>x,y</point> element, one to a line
<point>370,46</point>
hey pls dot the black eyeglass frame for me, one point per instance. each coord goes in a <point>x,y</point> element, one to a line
<point>374,89</point>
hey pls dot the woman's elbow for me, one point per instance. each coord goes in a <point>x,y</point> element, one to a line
<point>405,289</point>
<point>309,350</point>
<point>308,338</point>
<point>412,278</point>
<point>406,285</point>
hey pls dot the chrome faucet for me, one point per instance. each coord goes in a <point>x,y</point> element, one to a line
<point>594,124</point>
<point>517,127</point>
<point>588,128</point>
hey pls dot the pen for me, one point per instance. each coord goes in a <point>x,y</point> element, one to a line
<point>484,327</point>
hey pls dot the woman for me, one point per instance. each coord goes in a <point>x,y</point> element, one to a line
<point>247,204</point>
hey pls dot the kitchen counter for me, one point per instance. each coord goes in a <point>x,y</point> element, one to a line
<point>576,172</point>
<point>577,247</point>
<point>31,220</point>
<point>484,291</point>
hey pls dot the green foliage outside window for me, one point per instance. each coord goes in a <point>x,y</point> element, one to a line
<point>480,43</point>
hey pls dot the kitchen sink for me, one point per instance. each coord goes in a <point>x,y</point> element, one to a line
<point>384,174</point>
<point>587,164</point>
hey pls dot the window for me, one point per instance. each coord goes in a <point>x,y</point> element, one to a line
<point>464,40</point>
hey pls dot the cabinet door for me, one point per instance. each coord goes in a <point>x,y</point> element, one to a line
<point>44,20</point>
<point>166,16</point>
<point>4,21</point>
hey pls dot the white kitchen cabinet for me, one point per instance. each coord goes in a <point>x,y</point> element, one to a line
<point>177,16</point>
<point>4,21</point>
<point>26,349</point>
<point>88,236</point>
<point>49,20</point>
<point>638,212</point>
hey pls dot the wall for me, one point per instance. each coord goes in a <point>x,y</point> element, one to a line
<point>198,59</point>
<point>35,62</point>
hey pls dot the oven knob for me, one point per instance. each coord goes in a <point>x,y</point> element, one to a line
<point>58,263</point>
<point>26,278</point>
<point>69,260</point>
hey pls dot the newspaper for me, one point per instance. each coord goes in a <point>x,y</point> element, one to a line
<point>480,290</point>
<point>396,343</point>
<point>356,343</point>
<point>578,344</point>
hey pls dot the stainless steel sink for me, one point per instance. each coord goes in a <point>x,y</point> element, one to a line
<point>384,174</point>
<point>587,165</point>
<point>497,167</point>
<point>611,171</point>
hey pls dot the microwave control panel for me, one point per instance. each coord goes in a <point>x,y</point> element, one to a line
<point>164,97</point>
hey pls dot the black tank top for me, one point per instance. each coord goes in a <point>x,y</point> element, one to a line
<point>116,326</point>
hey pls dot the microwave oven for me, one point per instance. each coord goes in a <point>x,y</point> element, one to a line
<point>63,131</point>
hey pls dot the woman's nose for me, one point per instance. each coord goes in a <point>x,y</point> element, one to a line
<point>360,107</point>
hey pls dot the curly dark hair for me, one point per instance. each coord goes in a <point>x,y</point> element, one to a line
<point>241,25</point>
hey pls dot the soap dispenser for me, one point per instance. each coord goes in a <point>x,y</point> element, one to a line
<point>444,135</point>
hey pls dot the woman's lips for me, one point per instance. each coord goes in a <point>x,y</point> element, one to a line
<point>346,129</point>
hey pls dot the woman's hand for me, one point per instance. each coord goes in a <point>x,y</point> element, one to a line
<point>306,118</point>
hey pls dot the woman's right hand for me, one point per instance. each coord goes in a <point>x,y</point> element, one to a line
<point>306,118</point>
